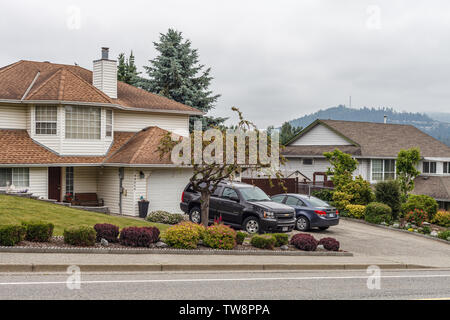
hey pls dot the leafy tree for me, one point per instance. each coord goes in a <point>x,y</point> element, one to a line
<point>127,70</point>
<point>406,163</point>
<point>342,169</point>
<point>288,132</point>
<point>177,74</point>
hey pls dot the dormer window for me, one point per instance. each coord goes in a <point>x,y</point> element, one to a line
<point>46,119</point>
<point>83,122</point>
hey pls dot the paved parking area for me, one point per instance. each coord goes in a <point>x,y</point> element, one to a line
<point>369,241</point>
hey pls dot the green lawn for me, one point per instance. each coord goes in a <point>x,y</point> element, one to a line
<point>15,210</point>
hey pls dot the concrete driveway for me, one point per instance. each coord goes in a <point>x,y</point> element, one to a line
<point>374,242</point>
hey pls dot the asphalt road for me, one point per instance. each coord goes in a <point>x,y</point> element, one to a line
<point>398,284</point>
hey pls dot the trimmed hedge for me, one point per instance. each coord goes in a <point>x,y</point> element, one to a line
<point>330,244</point>
<point>107,231</point>
<point>442,218</point>
<point>38,231</point>
<point>355,211</point>
<point>281,239</point>
<point>184,235</point>
<point>80,236</point>
<point>240,237</point>
<point>139,236</point>
<point>304,242</point>
<point>263,242</point>
<point>165,217</point>
<point>11,235</point>
<point>219,236</point>
<point>377,213</point>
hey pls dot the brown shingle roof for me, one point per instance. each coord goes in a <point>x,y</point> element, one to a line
<point>379,139</point>
<point>59,82</point>
<point>319,150</point>
<point>437,187</point>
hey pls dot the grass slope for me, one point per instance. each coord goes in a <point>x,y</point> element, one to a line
<point>15,210</point>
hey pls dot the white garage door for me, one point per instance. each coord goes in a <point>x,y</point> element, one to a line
<point>165,187</point>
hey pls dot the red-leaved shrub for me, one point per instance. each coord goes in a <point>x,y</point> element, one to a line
<point>330,244</point>
<point>304,242</point>
<point>139,236</point>
<point>107,231</point>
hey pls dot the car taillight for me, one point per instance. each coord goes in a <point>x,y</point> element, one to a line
<point>320,212</point>
<point>337,212</point>
<point>182,197</point>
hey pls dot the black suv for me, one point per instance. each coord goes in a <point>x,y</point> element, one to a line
<point>241,206</point>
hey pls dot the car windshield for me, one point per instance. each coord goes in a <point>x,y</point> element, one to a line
<point>316,202</point>
<point>253,194</point>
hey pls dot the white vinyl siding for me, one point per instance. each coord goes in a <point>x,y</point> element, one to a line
<point>39,182</point>
<point>85,179</point>
<point>13,117</point>
<point>108,188</point>
<point>320,135</point>
<point>136,121</point>
<point>105,77</point>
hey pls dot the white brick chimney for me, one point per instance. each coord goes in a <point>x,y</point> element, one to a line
<point>105,74</point>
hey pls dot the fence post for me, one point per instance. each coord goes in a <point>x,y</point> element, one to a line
<point>309,190</point>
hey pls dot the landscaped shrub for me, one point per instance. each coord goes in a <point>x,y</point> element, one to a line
<point>219,236</point>
<point>281,239</point>
<point>263,241</point>
<point>341,200</point>
<point>304,242</point>
<point>323,194</point>
<point>388,192</point>
<point>355,211</point>
<point>442,218</point>
<point>444,235</point>
<point>80,236</point>
<point>426,203</point>
<point>165,217</point>
<point>139,236</point>
<point>360,190</point>
<point>107,231</point>
<point>240,237</point>
<point>11,235</point>
<point>330,244</point>
<point>417,216</point>
<point>378,212</point>
<point>185,235</point>
<point>38,231</point>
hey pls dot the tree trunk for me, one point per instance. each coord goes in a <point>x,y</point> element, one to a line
<point>204,206</point>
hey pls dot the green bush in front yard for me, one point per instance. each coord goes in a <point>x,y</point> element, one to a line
<point>423,202</point>
<point>355,211</point>
<point>80,236</point>
<point>263,241</point>
<point>378,212</point>
<point>281,239</point>
<point>323,194</point>
<point>240,237</point>
<point>184,235</point>
<point>341,200</point>
<point>11,235</point>
<point>442,218</point>
<point>219,236</point>
<point>444,235</point>
<point>38,231</point>
<point>165,217</point>
<point>388,192</point>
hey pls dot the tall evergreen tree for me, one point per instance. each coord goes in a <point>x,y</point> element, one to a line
<point>127,70</point>
<point>288,132</point>
<point>177,74</point>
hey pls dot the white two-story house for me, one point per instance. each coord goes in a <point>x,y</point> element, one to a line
<point>66,130</point>
<point>375,146</point>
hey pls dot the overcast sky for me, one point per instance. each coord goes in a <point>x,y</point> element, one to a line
<point>275,60</point>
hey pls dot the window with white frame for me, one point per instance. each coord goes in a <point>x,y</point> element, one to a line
<point>308,161</point>
<point>383,169</point>
<point>446,167</point>
<point>19,177</point>
<point>46,119</point>
<point>109,120</point>
<point>83,122</point>
<point>69,180</point>
<point>429,167</point>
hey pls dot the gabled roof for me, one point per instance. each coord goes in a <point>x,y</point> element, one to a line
<point>26,81</point>
<point>371,139</point>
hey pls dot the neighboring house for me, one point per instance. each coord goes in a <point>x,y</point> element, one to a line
<point>65,129</point>
<point>375,146</point>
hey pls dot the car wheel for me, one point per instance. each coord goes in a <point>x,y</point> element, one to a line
<point>302,223</point>
<point>323,228</point>
<point>195,215</point>
<point>251,225</point>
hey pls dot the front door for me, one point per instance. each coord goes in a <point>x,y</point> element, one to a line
<point>54,183</point>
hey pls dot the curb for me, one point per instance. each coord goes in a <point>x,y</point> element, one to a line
<point>176,251</point>
<point>396,229</point>
<point>30,268</point>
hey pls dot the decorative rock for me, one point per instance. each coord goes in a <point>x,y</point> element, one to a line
<point>320,246</point>
<point>448,238</point>
<point>104,242</point>
<point>426,223</point>
<point>415,230</point>
<point>284,247</point>
<point>413,226</point>
<point>383,223</point>
<point>161,244</point>
<point>434,233</point>
<point>396,225</point>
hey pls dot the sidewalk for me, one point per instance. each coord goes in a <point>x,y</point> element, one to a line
<point>28,262</point>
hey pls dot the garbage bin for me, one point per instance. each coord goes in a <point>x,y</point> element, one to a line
<point>143,208</point>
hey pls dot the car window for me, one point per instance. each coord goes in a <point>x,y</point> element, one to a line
<point>316,202</point>
<point>253,194</point>
<point>291,201</point>
<point>278,199</point>
<point>229,193</point>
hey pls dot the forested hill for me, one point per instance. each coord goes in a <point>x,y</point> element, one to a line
<point>438,129</point>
